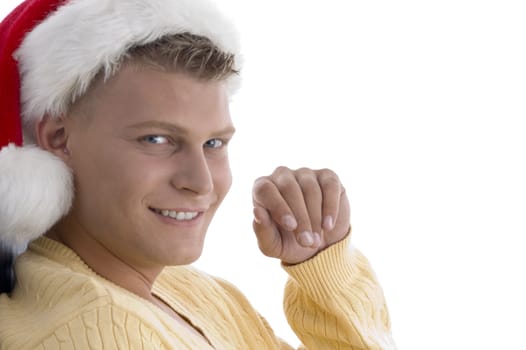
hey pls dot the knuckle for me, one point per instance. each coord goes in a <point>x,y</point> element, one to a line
<point>286,183</point>
<point>304,170</point>
<point>259,179</point>
<point>282,177</point>
<point>306,176</point>
<point>331,180</point>
<point>281,170</point>
<point>328,173</point>
<point>261,186</point>
<point>306,179</point>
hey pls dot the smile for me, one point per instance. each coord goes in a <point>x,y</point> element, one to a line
<point>179,216</point>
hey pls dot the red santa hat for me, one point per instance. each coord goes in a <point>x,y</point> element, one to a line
<point>50,51</point>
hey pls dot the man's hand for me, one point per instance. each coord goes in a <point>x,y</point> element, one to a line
<point>298,213</point>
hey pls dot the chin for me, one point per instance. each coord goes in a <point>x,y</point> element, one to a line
<point>184,257</point>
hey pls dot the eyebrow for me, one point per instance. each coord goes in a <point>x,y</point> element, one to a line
<point>177,129</point>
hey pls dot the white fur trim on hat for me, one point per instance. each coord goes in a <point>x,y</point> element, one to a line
<point>60,57</point>
<point>36,190</point>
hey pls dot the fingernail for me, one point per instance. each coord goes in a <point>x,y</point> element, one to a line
<point>289,222</point>
<point>316,240</point>
<point>328,223</point>
<point>305,239</point>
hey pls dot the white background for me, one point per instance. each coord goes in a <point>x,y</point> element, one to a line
<point>419,106</point>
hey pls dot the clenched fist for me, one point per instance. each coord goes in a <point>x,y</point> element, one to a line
<point>298,213</point>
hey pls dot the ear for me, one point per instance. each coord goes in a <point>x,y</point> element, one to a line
<point>52,135</point>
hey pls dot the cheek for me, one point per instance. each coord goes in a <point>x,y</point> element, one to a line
<point>109,176</point>
<point>222,177</point>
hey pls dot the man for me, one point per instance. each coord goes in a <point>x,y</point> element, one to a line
<point>127,102</point>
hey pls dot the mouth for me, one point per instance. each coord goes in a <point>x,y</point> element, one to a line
<point>176,215</point>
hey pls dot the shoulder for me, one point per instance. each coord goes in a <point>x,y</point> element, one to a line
<point>59,301</point>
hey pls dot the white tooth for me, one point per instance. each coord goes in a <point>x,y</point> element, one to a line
<point>177,215</point>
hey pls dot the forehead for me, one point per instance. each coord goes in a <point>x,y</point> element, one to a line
<point>137,94</point>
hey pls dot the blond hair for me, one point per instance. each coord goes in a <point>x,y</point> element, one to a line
<point>193,54</point>
<point>188,53</point>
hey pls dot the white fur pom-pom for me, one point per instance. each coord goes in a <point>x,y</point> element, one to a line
<point>36,190</point>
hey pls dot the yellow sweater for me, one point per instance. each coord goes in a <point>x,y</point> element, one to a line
<point>332,301</point>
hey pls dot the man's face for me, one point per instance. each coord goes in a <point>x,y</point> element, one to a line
<point>150,164</point>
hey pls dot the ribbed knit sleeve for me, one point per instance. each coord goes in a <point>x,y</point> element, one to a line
<point>334,301</point>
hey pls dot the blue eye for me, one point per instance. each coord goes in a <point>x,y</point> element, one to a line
<point>156,139</point>
<point>214,143</point>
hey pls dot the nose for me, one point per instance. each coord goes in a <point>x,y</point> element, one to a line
<point>192,173</point>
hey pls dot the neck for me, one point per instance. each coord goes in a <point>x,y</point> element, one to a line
<point>136,279</point>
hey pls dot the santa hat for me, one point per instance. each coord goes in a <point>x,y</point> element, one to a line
<point>50,51</point>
